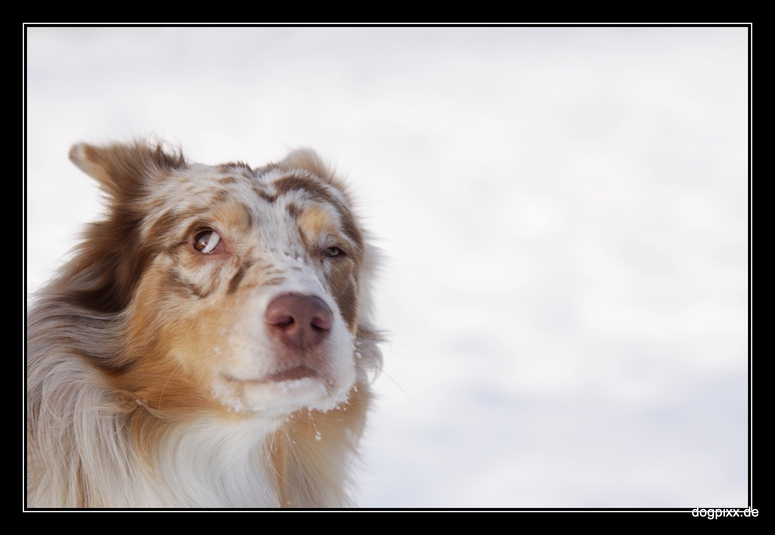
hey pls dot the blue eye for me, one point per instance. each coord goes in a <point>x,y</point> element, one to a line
<point>332,252</point>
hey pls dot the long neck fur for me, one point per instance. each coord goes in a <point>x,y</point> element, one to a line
<point>84,448</point>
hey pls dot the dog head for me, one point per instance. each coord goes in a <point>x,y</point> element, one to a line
<point>238,290</point>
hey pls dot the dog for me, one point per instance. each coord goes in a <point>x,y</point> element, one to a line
<point>210,342</point>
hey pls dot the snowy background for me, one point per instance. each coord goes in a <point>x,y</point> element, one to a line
<point>563,213</point>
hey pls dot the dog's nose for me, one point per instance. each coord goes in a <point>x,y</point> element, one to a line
<point>300,321</point>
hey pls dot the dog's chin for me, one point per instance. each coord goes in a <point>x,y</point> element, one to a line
<point>282,393</point>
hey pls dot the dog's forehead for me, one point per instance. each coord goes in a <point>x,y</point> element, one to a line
<point>256,197</point>
<point>200,182</point>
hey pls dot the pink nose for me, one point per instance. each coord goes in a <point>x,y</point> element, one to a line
<point>299,321</point>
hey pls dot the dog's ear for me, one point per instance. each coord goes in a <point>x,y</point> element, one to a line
<point>307,159</point>
<point>123,170</point>
<point>111,259</point>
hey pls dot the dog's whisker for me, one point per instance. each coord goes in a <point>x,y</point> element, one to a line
<point>161,394</point>
<point>397,354</point>
<point>393,342</point>
<point>383,372</point>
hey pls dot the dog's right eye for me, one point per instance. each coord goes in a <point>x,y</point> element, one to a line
<point>206,241</point>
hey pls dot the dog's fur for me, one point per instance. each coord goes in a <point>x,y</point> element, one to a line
<point>168,368</point>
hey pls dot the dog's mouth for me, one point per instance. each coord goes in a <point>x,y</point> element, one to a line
<point>295,373</point>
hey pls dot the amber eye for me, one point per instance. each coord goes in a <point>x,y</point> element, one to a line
<point>205,241</point>
<point>332,251</point>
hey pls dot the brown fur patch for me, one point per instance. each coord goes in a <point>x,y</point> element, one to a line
<point>309,185</point>
<point>293,210</point>
<point>237,278</point>
<point>241,167</point>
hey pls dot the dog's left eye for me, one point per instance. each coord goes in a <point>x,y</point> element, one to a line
<point>206,241</point>
<point>332,251</point>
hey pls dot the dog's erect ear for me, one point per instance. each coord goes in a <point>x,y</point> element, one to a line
<point>307,159</point>
<point>124,169</point>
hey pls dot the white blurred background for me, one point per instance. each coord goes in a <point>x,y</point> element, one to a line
<point>563,213</point>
